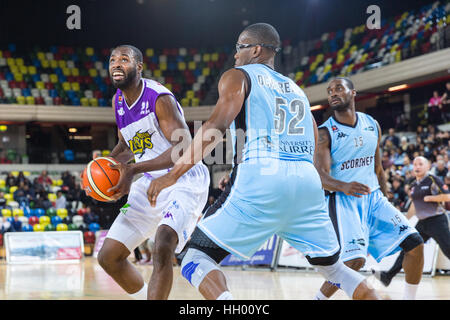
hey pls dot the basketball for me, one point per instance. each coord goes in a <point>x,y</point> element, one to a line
<point>98,177</point>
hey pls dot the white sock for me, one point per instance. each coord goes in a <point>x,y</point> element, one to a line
<point>320,296</point>
<point>226,295</point>
<point>410,291</point>
<point>141,294</point>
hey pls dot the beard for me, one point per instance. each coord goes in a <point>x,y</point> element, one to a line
<point>126,82</point>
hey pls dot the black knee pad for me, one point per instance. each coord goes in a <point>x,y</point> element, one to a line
<point>412,241</point>
<point>200,241</point>
<point>324,261</point>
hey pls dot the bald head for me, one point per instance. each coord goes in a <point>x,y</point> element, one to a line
<point>264,33</point>
<point>421,165</point>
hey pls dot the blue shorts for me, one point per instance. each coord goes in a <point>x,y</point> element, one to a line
<point>289,202</point>
<point>370,224</point>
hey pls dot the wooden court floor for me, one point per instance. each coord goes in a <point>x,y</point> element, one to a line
<point>87,280</point>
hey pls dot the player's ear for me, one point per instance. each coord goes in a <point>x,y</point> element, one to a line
<point>257,51</point>
<point>140,67</point>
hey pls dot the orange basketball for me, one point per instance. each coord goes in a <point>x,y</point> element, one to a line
<point>98,177</point>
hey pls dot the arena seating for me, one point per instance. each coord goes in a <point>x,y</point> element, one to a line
<point>351,51</point>
<point>61,75</point>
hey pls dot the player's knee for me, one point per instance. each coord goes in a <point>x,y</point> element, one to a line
<point>355,264</point>
<point>413,243</point>
<point>107,259</point>
<point>196,265</point>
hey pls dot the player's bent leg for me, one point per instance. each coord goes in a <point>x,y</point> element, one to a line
<point>412,264</point>
<point>341,276</point>
<point>113,259</point>
<point>328,289</point>
<point>160,284</point>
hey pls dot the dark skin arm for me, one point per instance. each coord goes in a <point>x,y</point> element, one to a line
<point>379,166</point>
<point>170,121</point>
<point>232,89</point>
<point>322,161</point>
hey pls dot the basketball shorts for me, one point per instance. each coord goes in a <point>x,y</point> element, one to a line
<point>178,206</point>
<point>290,203</point>
<point>370,224</point>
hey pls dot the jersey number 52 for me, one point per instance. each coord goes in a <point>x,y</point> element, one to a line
<point>296,108</point>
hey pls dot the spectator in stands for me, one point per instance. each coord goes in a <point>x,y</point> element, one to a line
<point>446,101</point>
<point>398,192</point>
<point>404,144</point>
<point>434,108</point>
<point>407,165</point>
<point>10,180</point>
<point>68,179</point>
<point>16,225</point>
<point>21,178</point>
<point>22,195</point>
<point>3,157</point>
<point>2,200</point>
<point>61,202</point>
<point>386,160</point>
<point>392,137</point>
<point>440,170</point>
<point>42,201</point>
<point>421,133</point>
<point>45,180</point>
<point>90,216</point>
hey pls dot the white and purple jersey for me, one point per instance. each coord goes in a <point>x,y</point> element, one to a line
<point>139,124</point>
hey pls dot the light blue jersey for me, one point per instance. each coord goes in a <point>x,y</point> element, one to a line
<point>369,224</point>
<point>353,150</point>
<point>274,187</point>
<point>277,117</point>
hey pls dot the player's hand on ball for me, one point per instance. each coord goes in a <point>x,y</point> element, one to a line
<point>157,185</point>
<point>126,178</point>
<point>356,189</point>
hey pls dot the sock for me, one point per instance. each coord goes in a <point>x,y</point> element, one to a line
<point>410,291</point>
<point>320,296</point>
<point>226,295</point>
<point>141,294</point>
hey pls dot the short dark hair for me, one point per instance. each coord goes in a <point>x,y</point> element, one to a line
<point>264,33</point>
<point>349,82</point>
<point>137,54</point>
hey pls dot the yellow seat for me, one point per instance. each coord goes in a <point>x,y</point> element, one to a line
<point>54,64</point>
<point>44,220</point>
<point>32,70</point>
<point>149,52</point>
<point>66,86</point>
<point>206,71</point>
<point>62,213</point>
<point>53,78</point>
<point>30,100</point>
<point>105,153</point>
<point>93,72</point>
<point>157,73</point>
<point>168,86</point>
<point>185,102</point>
<point>27,173</point>
<point>192,65</point>
<point>181,65</point>
<point>2,183</point>
<point>21,100</point>
<point>75,72</point>
<point>45,64</point>
<point>52,197</point>
<point>190,94</point>
<point>10,62</point>
<point>61,227</point>
<point>206,57</point>
<point>84,102</point>
<point>6,213</point>
<point>40,85</point>
<point>18,212</point>
<point>38,227</point>
<point>66,72</point>
<point>14,69</point>
<point>62,64</point>
<point>163,66</point>
<point>195,102</point>
<point>18,76</point>
<point>214,56</point>
<point>13,189</point>
<point>23,69</point>
<point>93,102</point>
<point>89,51</point>
<point>15,173</point>
<point>75,86</point>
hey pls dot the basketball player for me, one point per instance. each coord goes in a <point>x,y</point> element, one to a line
<point>147,114</point>
<point>349,163</point>
<point>274,187</point>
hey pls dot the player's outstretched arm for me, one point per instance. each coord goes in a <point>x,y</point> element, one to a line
<point>232,92</point>
<point>322,161</point>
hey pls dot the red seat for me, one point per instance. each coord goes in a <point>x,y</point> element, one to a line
<point>39,100</point>
<point>57,101</point>
<point>49,86</point>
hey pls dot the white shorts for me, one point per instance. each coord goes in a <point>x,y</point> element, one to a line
<point>178,207</point>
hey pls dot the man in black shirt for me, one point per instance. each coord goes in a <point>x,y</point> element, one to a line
<point>428,194</point>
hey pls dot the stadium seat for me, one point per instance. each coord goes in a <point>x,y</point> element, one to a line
<point>38,227</point>
<point>62,227</point>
